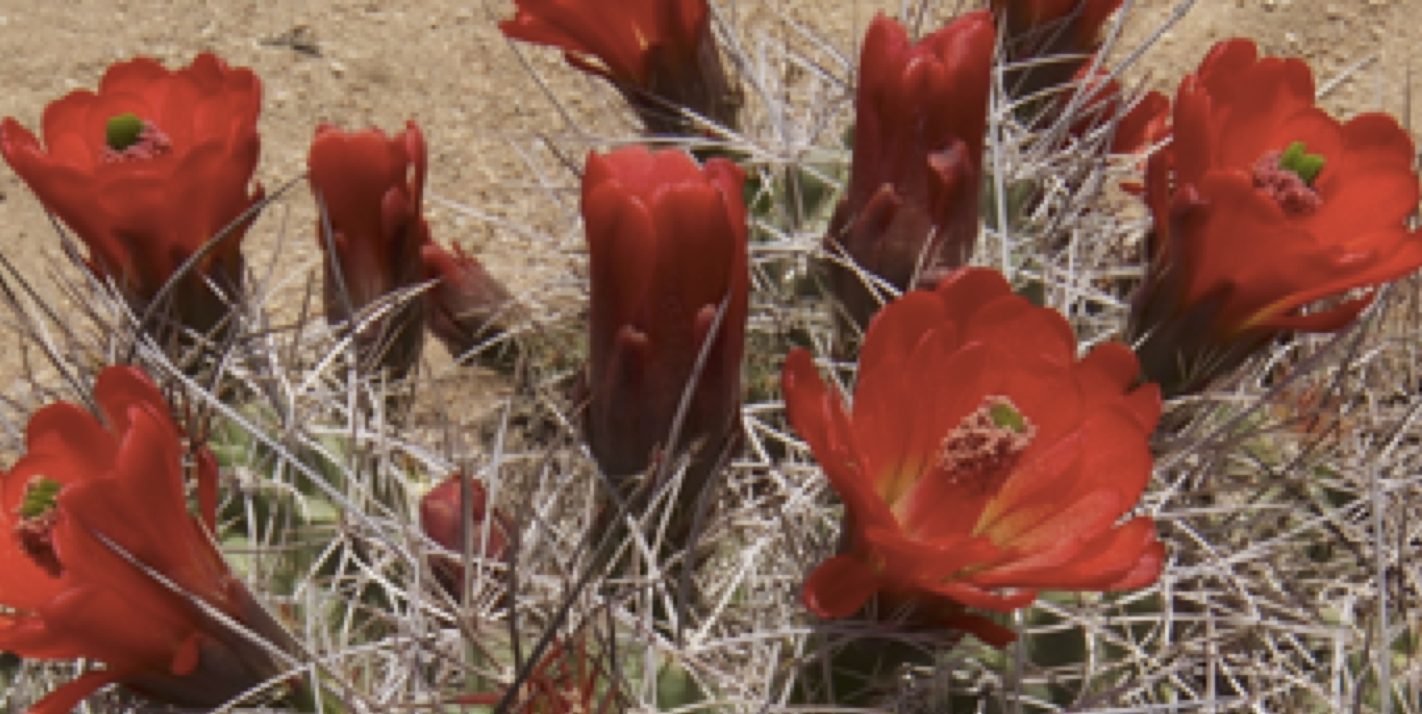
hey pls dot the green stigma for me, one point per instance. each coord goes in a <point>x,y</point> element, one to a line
<point>1004,416</point>
<point>41,496</point>
<point>123,131</point>
<point>1297,159</point>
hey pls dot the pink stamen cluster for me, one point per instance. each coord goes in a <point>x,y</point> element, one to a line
<point>151,144</point>
<point>1293,194</point>
<point>978,449</point>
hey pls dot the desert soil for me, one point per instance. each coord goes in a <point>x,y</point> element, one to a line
<point>488,121</point>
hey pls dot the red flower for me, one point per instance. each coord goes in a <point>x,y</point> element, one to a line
<point>468,308</point>
<point>667,248</point>
<point>656,52</point>
<point>442,520</point>
<point>147,171</point>
<point>1049,41</point>
<point>982,461</point>
<point>87,490</point>
<point>911,210</point>
<point>372,188</point>
<point>1263,207</point>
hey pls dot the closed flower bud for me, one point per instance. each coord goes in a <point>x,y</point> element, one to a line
<point>667,253</point>
<point>445,523</point>
<point>911,210</point>
<point>371,187</point>
<point>468,308</point>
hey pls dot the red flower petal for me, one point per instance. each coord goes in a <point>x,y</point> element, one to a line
<point>1128,555</point>
<point>839,587</point>
<point>67,697</point>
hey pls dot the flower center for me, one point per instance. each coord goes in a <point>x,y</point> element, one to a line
<point>37,517</point>
<point>128,138</point>
<point>1288,177</point>
<point>982,448</point>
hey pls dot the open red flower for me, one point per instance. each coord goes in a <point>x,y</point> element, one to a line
<point>660,54</point>
<point>982,461</point>
<point>468,308</point>
<point>372,187</point>
<point>91,500</point>
<point>1268,213</point>
<point>1048,41</point>
<point>148,170</point>
<point>667,249</point>
<point>911,210</point>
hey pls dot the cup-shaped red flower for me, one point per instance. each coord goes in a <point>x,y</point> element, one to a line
<point>982,461</point>
<point>660,54</point>
<point>93,519</point>
<point>371,188</point>
<point>146,171</point>
<point>1048,41</point>
<point>468,308</point>
<point>442,519</point>
<point>911,210</point>
<point>1267,214</point>
<point>667,253</point>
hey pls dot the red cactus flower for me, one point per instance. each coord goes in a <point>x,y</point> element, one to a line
<point>467,307</point>
<point>147,171</point>
<point>1264,206</point>
<point>92,504</point>
<point>667,249</point>
<point>982,461</point>
<point>444,522</point>
<point>655,52</point>
<point>372,187</point>
<point>911,211</point>
<point>1049,41</point>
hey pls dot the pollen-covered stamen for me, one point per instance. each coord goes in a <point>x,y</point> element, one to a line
<point>128,138</point>
<point>982,447</point>
<point>36,519</point>
<point>1288,176</point>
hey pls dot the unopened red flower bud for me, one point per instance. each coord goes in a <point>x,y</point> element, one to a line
<point>667,252</point>
<point>911,210</point>
<point>451,527</point>
<point>468,308</point>
<point>371,189</point>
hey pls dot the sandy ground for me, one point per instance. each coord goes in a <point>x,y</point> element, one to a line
<point>489,123</point>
